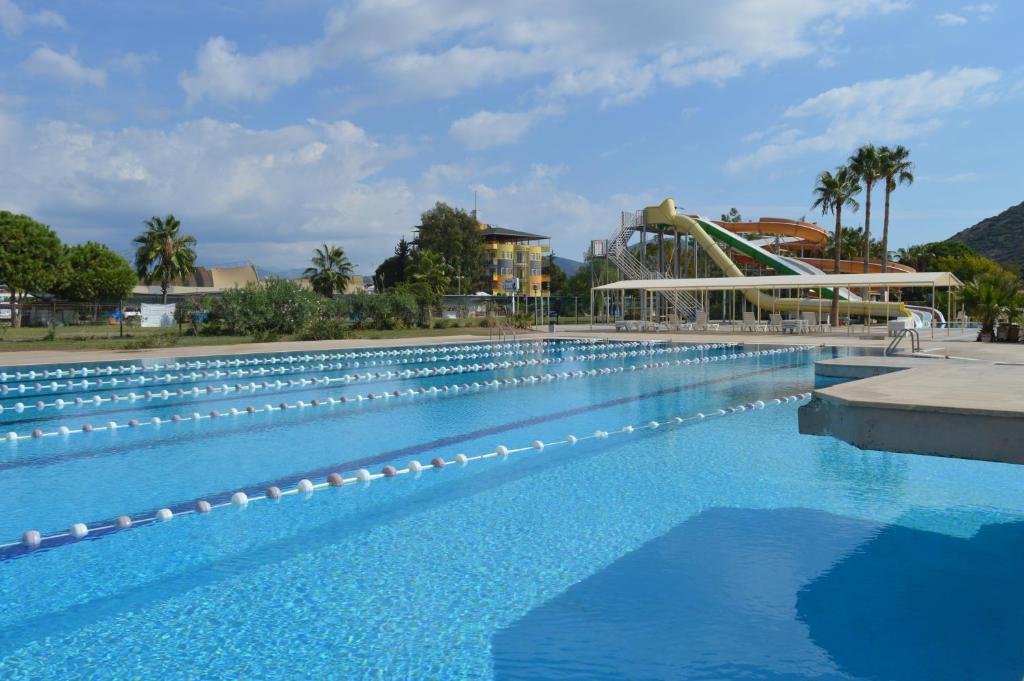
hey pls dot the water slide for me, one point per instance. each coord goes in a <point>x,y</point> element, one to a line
<point>798,233</point>
<point>704,232</point>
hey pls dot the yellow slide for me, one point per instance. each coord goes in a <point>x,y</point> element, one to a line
<point>665,214</point>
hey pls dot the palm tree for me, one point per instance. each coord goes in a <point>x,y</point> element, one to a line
<point>331,270</point>
<point>897,169</point>
<point>832,193</point>
<point>163,254</point>
<point>990,296</point>
<point>429,279</point>
<point>866,166</point>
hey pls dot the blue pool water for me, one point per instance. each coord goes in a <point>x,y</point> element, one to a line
<point>722,547</point>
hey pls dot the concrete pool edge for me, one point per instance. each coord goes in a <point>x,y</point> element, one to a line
<point>962,409</point>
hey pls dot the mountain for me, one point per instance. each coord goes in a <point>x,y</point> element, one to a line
<point>568,266</point>
<point>265,273</point>
<point>1000,237</point>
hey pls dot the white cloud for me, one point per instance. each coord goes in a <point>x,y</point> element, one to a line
<point>14,20</point>
<point>949,19</point>
<point>617,51</point>
<point>267,195</point>
<point>52,64</point>
<point>486,129</point>
<point>536,203</point>
<point>984,10</point>
<point>417,74</point>
<point>884,110</point>
<point>133,62</point>
<point>225,75</point>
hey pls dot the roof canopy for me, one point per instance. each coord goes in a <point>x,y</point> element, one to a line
<point>791,281</point>
<point>509,234</point>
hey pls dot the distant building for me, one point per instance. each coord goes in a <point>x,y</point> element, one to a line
<point>357,283</point>
<point>511,255</point>
<point>204,280</point>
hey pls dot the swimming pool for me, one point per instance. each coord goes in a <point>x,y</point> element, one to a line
<point>599,510</point>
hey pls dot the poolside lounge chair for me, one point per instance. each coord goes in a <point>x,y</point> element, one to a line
<point>750,323</point>
<point>700,323</point>
<point>775,322</point>
<point>811,322</point>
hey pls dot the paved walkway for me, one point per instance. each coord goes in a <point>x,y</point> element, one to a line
<point>68,356</point>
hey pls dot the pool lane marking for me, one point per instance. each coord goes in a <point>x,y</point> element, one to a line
<point>128,447</point>
<point>222,499</point>
<point>370,378</point>
<point>166,380</point>
<point>441,391</point>
<point>290,358</point>
<point>15,549</point>
<point>14,436</point>
<point>454,389</point>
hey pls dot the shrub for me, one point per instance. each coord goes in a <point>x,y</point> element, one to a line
<point>274,307</point>
<point>265,336</point>
<point>389,310</point>
<point>324,329</point>
<point>522,320</point>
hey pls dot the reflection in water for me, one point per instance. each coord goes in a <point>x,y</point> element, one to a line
<point>914,605</point>
<point>785,594</point>
<point>866,475</point>
<point>713,598</point>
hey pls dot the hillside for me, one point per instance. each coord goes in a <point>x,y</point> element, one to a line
<point>1000,237</point>
<point>567,265</point>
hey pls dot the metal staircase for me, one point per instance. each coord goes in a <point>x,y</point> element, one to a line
<point>681,305</point>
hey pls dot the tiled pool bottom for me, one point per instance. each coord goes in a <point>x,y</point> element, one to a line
<point>731,548</point>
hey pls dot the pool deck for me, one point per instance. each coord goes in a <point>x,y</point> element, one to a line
<point>970,408</point>
<point>955,398</point>
<point>24,357</point>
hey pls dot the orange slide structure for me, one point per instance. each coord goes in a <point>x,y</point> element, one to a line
<point>806,236</point>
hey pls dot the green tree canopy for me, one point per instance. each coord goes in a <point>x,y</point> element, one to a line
<point>968,266</point>
<point>852,247</point>
<point>832,193</point>
<point>163,253</point>
<point>732,216</point>
<point>394,269</point>
<point>331,271</point>
<point>95,274</point>
<point>429,279</point>
<point>866,164</point>
<point>31,259</point>
<point>925,257</point>
<point>993,295</point>
<point>453,234</point>
<point>896,169</point>
<point>559,282</point>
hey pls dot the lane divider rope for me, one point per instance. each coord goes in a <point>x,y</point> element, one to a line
<point>32,539</point>
<point>289,358</point>
<point>406,374</point>
<point>14,436</point>
<point>195,376</point>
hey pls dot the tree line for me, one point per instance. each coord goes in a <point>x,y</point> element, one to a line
<point>34,262</point>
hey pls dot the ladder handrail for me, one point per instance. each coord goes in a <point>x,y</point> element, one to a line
<point>915,341</point>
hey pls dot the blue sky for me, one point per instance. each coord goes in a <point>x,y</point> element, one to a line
<point>268,127</point>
